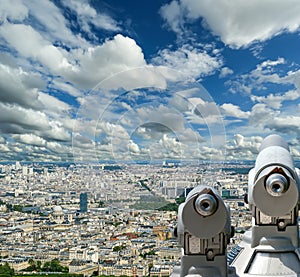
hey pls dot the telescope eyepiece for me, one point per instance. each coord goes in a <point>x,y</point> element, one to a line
<point>206,204</point>
<point>277,184</point>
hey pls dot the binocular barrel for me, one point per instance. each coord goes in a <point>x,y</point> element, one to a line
<point>204,213</point>
<point>273,183</point>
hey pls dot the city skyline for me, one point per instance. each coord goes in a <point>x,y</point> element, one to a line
<point>91,81</point>
<point>128,224</point>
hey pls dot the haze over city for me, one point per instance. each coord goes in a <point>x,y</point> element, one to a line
<point>147,80</point>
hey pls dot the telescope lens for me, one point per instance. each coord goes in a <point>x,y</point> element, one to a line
<point>276,184</point>
<point>205,204</point>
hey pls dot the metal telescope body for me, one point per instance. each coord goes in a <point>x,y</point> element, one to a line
<point>203,231</point>
<point>270,247</point>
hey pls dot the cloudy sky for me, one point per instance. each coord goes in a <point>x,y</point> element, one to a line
<point>147,80</point>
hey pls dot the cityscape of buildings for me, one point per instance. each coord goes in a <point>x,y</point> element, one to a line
<point>105,219</point>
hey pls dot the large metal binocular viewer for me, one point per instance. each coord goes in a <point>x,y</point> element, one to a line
<point>204,231</point>
<point>203,214</point>
<point>273,186</point>
<point>270,247</point>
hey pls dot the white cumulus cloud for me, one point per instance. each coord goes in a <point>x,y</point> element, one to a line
<point>88,16</point>
<point>225,71</point>
<point>243,147</point>
<point>237,23</point>
<point>29,43</point>
<point>13,10</point>
<point>231,110</point>
<point>31,139</point>
<point>190,62</point>
<point>275,100</point>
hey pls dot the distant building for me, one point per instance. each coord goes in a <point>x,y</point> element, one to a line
<point>89,254</point>
<point>230,193</point>
<point>18,166</point>
<point>83,202</point>
<point>24,170</point>
<point>30,171</point>
<point>58,215</point>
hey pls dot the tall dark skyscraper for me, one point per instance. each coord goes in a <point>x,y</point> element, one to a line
<point>83,202</point>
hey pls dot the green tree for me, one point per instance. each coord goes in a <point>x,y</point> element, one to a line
<point>32,265</point>
<point>119,248</point>
<point>54,266</point>
<point>38,265</point>
<point>149,267</point>
<point>101,204</point>
<point>6,270</point>
<point>17,208</point>
<point>172,206</point>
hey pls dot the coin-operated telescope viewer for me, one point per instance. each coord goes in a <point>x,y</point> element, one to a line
<point>271,247</point>
<point>203,231</point>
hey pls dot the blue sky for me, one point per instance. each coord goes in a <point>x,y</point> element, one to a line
<point>147,80</point>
